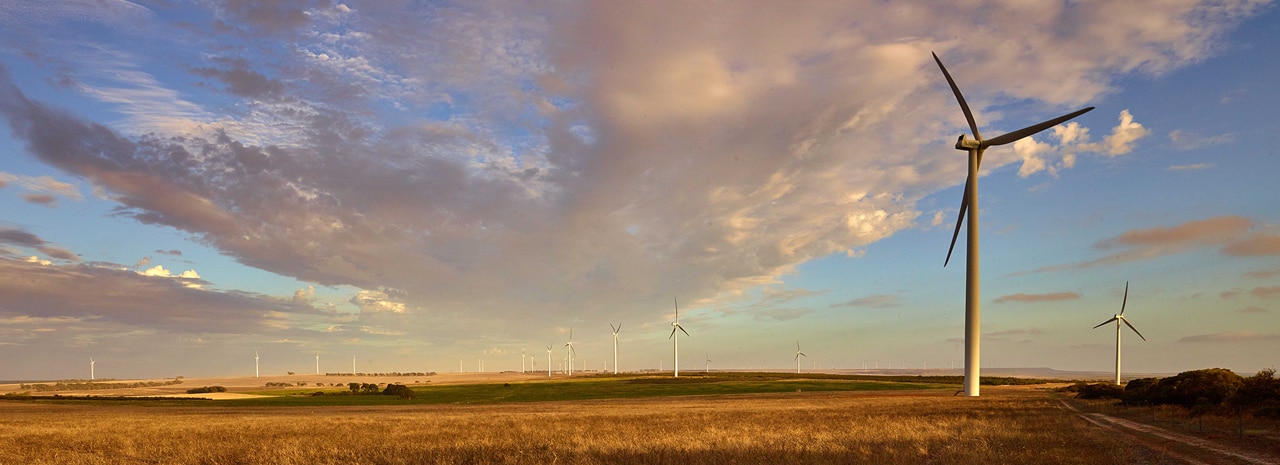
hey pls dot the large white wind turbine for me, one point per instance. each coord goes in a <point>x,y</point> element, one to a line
<point>969,203</point>
<point>798,355</point>
<point>569,352</point>
<point>91,362</point>
<point>615,345</point>
<point>1119,317</point>
<point>675,341</point>
<point>548,361</point>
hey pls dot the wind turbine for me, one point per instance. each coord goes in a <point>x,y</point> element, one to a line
<point>675,342</point>
<point>569,353</point>
<point>969,203</point>
<point>615,346</point>
<point>255,363</point>
<point>522,360</point>
<point>91,362</point>
<point>1119,317</point>
<point>708,364</point>
<point>548,361</point>
<point>798,355</point>
<point>317,363</point>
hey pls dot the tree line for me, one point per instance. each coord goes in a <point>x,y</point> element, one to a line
<point>1200,390</point>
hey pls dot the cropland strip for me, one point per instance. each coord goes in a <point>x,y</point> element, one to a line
<point>1148,431</point>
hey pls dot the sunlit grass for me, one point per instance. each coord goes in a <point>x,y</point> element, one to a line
<point>836,427</point>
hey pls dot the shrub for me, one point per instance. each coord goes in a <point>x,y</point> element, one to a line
<point>1100,391</point>
<point>206,389</point>
<point>399,390</point>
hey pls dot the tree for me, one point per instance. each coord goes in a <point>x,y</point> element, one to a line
<point>399,390</point>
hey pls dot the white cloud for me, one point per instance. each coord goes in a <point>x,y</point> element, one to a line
<point>1122,137</point>
<point>42,184</point>
<point>38,260</point>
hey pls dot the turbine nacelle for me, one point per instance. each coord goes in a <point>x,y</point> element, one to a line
<point>965,143</point>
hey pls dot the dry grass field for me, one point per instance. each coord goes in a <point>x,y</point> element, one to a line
<point>1006,426</point>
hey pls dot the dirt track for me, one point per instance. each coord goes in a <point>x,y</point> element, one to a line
<point>1160,440</point>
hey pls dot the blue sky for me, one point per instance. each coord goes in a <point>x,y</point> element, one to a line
<point>413,185</point>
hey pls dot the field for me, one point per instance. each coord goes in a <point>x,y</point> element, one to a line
<point>513,419</point>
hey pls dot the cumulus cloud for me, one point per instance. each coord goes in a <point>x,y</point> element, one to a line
<point>1122,137</point>
<point>1233,235</point>
<point>1047,297</point>
<point>1073,140</point>
<point>1231,336</point>
<point>377,302</point>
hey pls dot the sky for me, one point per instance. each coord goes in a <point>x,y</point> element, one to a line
<point>415,186</point>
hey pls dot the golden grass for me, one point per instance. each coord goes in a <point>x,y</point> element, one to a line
<point>765,429</point>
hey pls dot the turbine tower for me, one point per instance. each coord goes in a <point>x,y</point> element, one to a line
<point>969,203</point>
<point>675,341</point>
<point>708,364</point>
<point>548,361</point>
<point>91,362</point>
<point>255,363</point>
<point>615,346</point>
<point>1119,317</point>
<point>569,352</point>
<point>798,355</point>
<point>317,363</point>
<point>522,355</point>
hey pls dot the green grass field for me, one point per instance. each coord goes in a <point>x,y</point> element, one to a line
<point>591,387</point>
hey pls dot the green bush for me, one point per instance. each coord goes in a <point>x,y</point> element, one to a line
<point>1099,391</point>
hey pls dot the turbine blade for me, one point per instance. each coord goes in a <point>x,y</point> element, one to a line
<point>673,333</point>
<point>1105,322</point>
<point>677,302</point>
<point>968,115</point>
<point>686,333</point>
<point>575,351</point>
<point>802,355</point>
<point>1029,130</point>
<point>1126,297</point>
<point>964,207</point>
<point>1135,330</point>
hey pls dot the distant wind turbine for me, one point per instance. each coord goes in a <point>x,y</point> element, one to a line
<point>708,364</point>
<point>798,355</point>
<point>255,363</point>
<point>569,352</point>
<point>969,203</point>
<point>317,363</point>
<point>1118,318</point>
<point>548,361</point>
<point>91,362</point>
<point>522,360</point>
<point>615,345</point>
<point>675,342</point>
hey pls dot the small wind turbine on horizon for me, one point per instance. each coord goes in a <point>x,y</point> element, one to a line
<point>615,345</point>
<point>798,355</point>
<point>1118,318</point>
<point>317,363</point>
<point>675,341</point>
<point>969,204</point>
<point>569,352</point>
<point>708,370</point>
<point>91,363</point>
<point>255,363</point>
<point>548,361</point>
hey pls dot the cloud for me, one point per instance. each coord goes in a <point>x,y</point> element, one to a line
<point>144,261</point>
<point>483,153</point>
<point>1122,137</point>
<point>1195,167</point>
<point>100,294</point>
<point>1048,297</point>
<point>1016,332</point>
<point>1253,310</point>
<point>20,238</point>
<point>173,252</point>
<point>43,189</point>
<point>1186,140</point>
<point>1265,292</point>
<point>1234,235</point>
<point>1262,274</point>
<point>1237,336</point>
<point>874,301</point>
